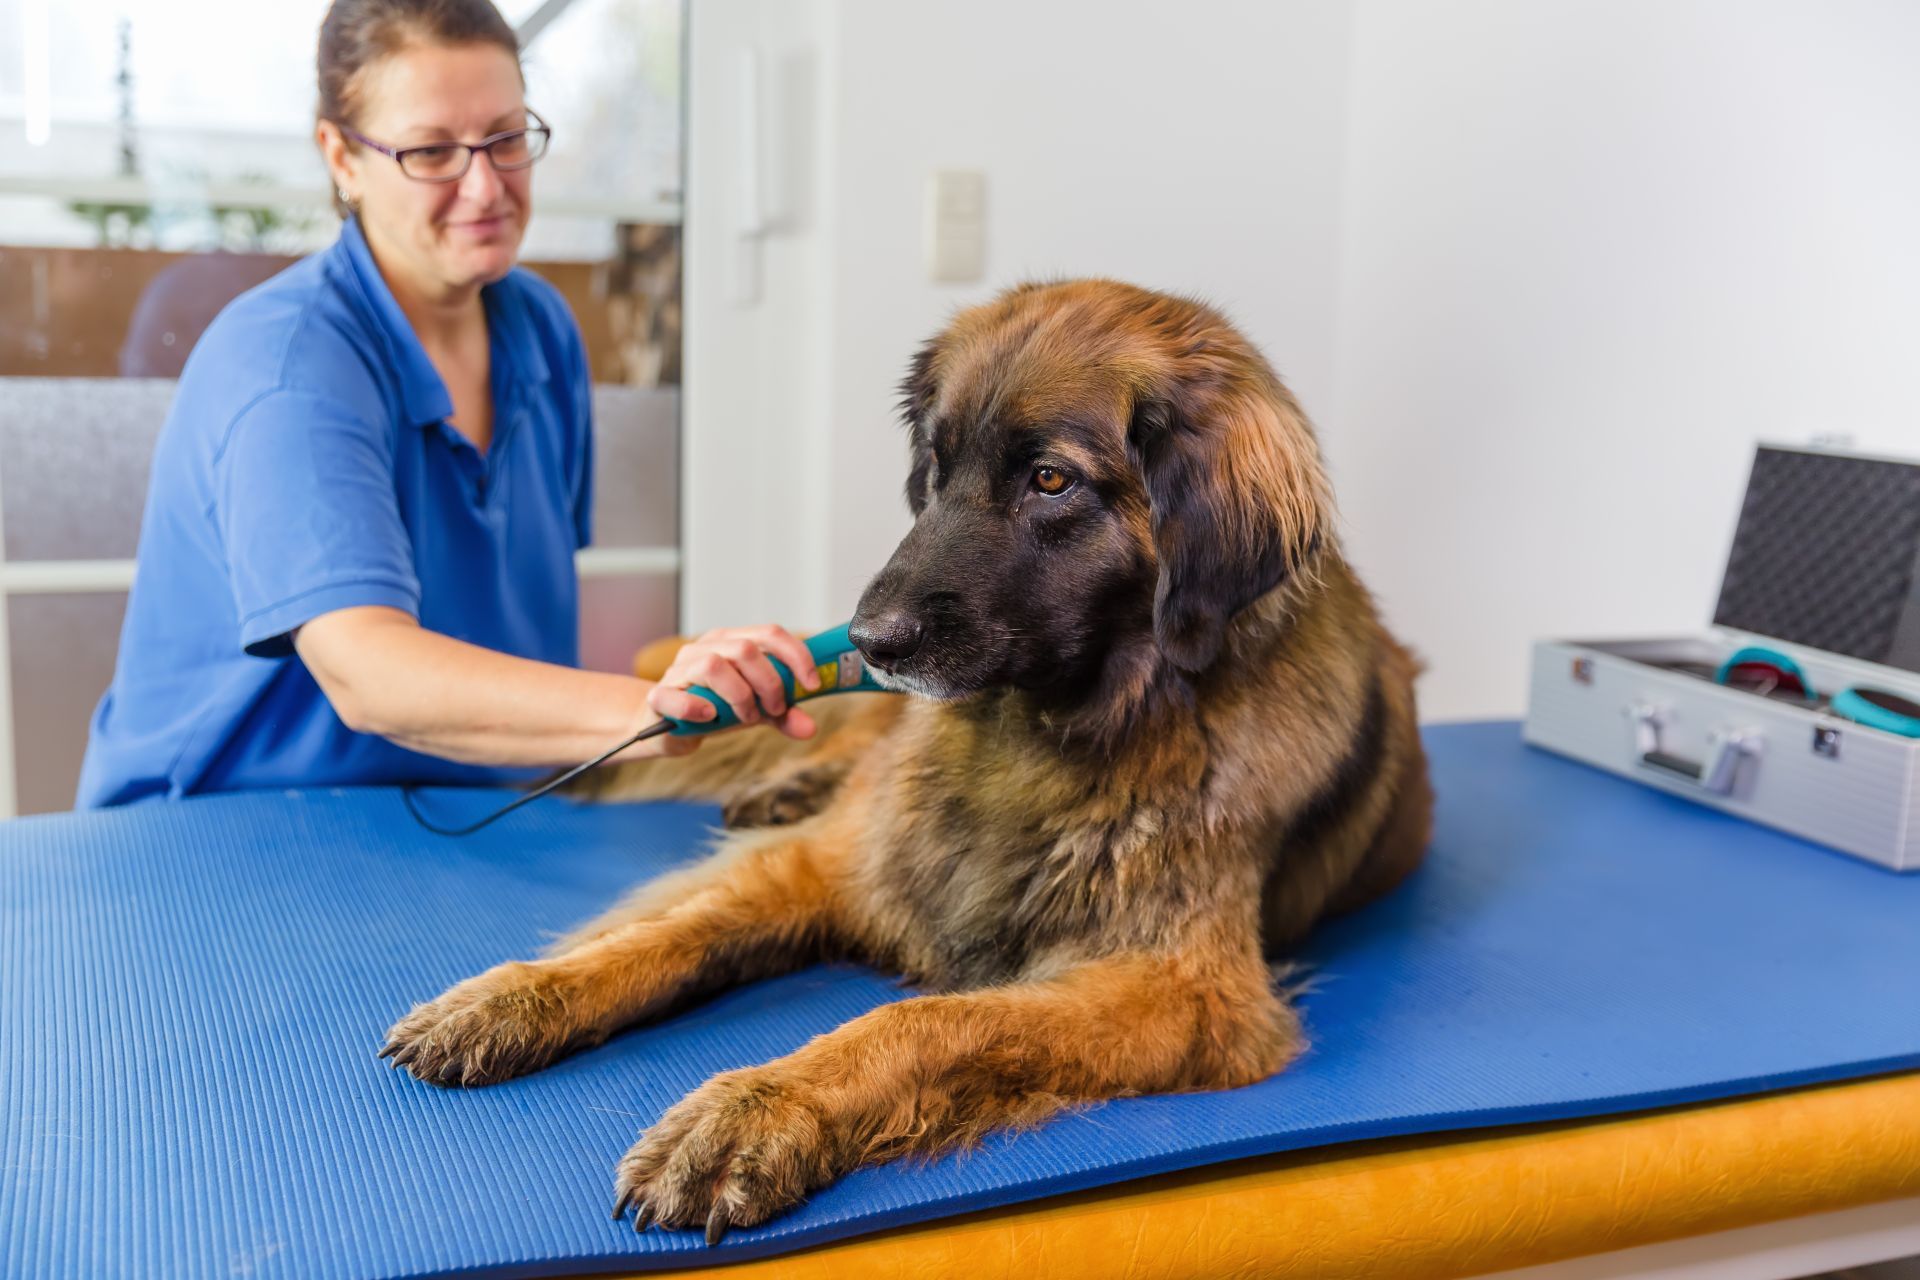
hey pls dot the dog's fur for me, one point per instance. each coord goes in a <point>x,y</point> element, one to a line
<point>1158,732</point>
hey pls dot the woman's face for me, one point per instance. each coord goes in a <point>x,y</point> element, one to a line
<point>442,236</point>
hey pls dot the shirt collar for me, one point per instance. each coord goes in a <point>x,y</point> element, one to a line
<point>422,393</point>
<point>515,340</point>
<point>515,336</point>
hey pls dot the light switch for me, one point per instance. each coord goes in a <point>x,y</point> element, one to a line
<point>956,225</point>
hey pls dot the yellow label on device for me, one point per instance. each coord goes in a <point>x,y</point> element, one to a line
<point>829,681</point>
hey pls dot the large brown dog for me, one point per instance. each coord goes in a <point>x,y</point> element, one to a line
<point>1158,732</point>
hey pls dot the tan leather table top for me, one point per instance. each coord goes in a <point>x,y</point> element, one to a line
<point>1427,1208</point>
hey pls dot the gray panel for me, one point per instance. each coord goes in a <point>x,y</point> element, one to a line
<point>619,615</point>
<point>637,466</point>
<point>74,454</point>
<point>62,651</point>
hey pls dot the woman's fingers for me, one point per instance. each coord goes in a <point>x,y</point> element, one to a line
<point>717,674</point>
<point>757,671</point>
<point>790,649</point>
<point>797,724</point>
<point>675,703</point>
<point>736,664</point>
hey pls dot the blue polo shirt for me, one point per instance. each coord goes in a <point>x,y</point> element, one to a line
<point>307,466</point>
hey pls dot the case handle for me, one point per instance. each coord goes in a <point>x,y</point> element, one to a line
<point>1725,749</point>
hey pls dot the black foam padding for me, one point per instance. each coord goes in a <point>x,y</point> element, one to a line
<point>1824,555</point>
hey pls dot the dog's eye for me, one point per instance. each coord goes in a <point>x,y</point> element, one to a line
<point>1051,480</point>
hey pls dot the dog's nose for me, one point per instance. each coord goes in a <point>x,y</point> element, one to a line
<point>890,638</point>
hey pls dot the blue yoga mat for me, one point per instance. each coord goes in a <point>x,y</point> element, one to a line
<point>191,996</point>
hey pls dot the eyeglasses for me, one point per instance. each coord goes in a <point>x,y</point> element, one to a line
<point>449,161</point>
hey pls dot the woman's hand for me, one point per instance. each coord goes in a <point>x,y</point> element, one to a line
<point>733,662</point>
<point>387,675</point>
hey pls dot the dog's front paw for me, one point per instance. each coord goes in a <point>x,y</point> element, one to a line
<point>783,799</point>
<point>509,1021</point>
<point>733,1153</point>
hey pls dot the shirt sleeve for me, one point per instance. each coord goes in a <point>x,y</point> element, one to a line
<point>582,384</point>
<point>309,517</point>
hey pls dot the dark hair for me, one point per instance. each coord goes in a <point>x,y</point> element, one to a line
<point>355,34</point>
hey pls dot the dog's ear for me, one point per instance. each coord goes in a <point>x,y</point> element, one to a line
<point>1237,495</point>
<point>917,392</point>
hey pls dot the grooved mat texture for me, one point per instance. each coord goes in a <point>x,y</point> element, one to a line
<point>191,996</point>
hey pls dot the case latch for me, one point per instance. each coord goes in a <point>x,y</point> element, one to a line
<point>1725,749</point>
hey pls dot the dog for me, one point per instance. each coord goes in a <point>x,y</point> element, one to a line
<point>1156,730</point>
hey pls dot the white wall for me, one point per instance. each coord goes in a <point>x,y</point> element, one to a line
<point>1193,147</point>
<point>1592,251</point>
<point>1542,273</point>
<point>754,438</point>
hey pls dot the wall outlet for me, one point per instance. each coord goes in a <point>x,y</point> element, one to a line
<point>956,225</point>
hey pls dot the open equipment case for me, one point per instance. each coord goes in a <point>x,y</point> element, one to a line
<point>1822,577</point>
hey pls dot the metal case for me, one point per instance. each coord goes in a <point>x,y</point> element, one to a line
<point>1822,570</point>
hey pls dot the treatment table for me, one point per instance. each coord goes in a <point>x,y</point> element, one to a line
<point>1597,1018</point>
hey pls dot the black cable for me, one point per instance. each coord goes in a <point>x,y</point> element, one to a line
<point>653,730</point>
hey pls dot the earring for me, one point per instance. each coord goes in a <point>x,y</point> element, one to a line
<point>346,199</point>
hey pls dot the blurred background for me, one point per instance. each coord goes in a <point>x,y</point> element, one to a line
<point>156,160</point>
<point>1542,273</point>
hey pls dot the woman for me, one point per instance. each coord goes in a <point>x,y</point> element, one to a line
<point>356,563</point>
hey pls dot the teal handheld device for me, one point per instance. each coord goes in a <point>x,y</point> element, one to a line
<point>837,660</point>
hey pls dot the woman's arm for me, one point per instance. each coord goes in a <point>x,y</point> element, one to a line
<point>385,674</point>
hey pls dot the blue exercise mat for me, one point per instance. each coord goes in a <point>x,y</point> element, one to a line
<point>193,995</point>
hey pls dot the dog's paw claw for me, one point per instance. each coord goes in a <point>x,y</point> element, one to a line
<point>733,1153</point>
<point>499,1025</point>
